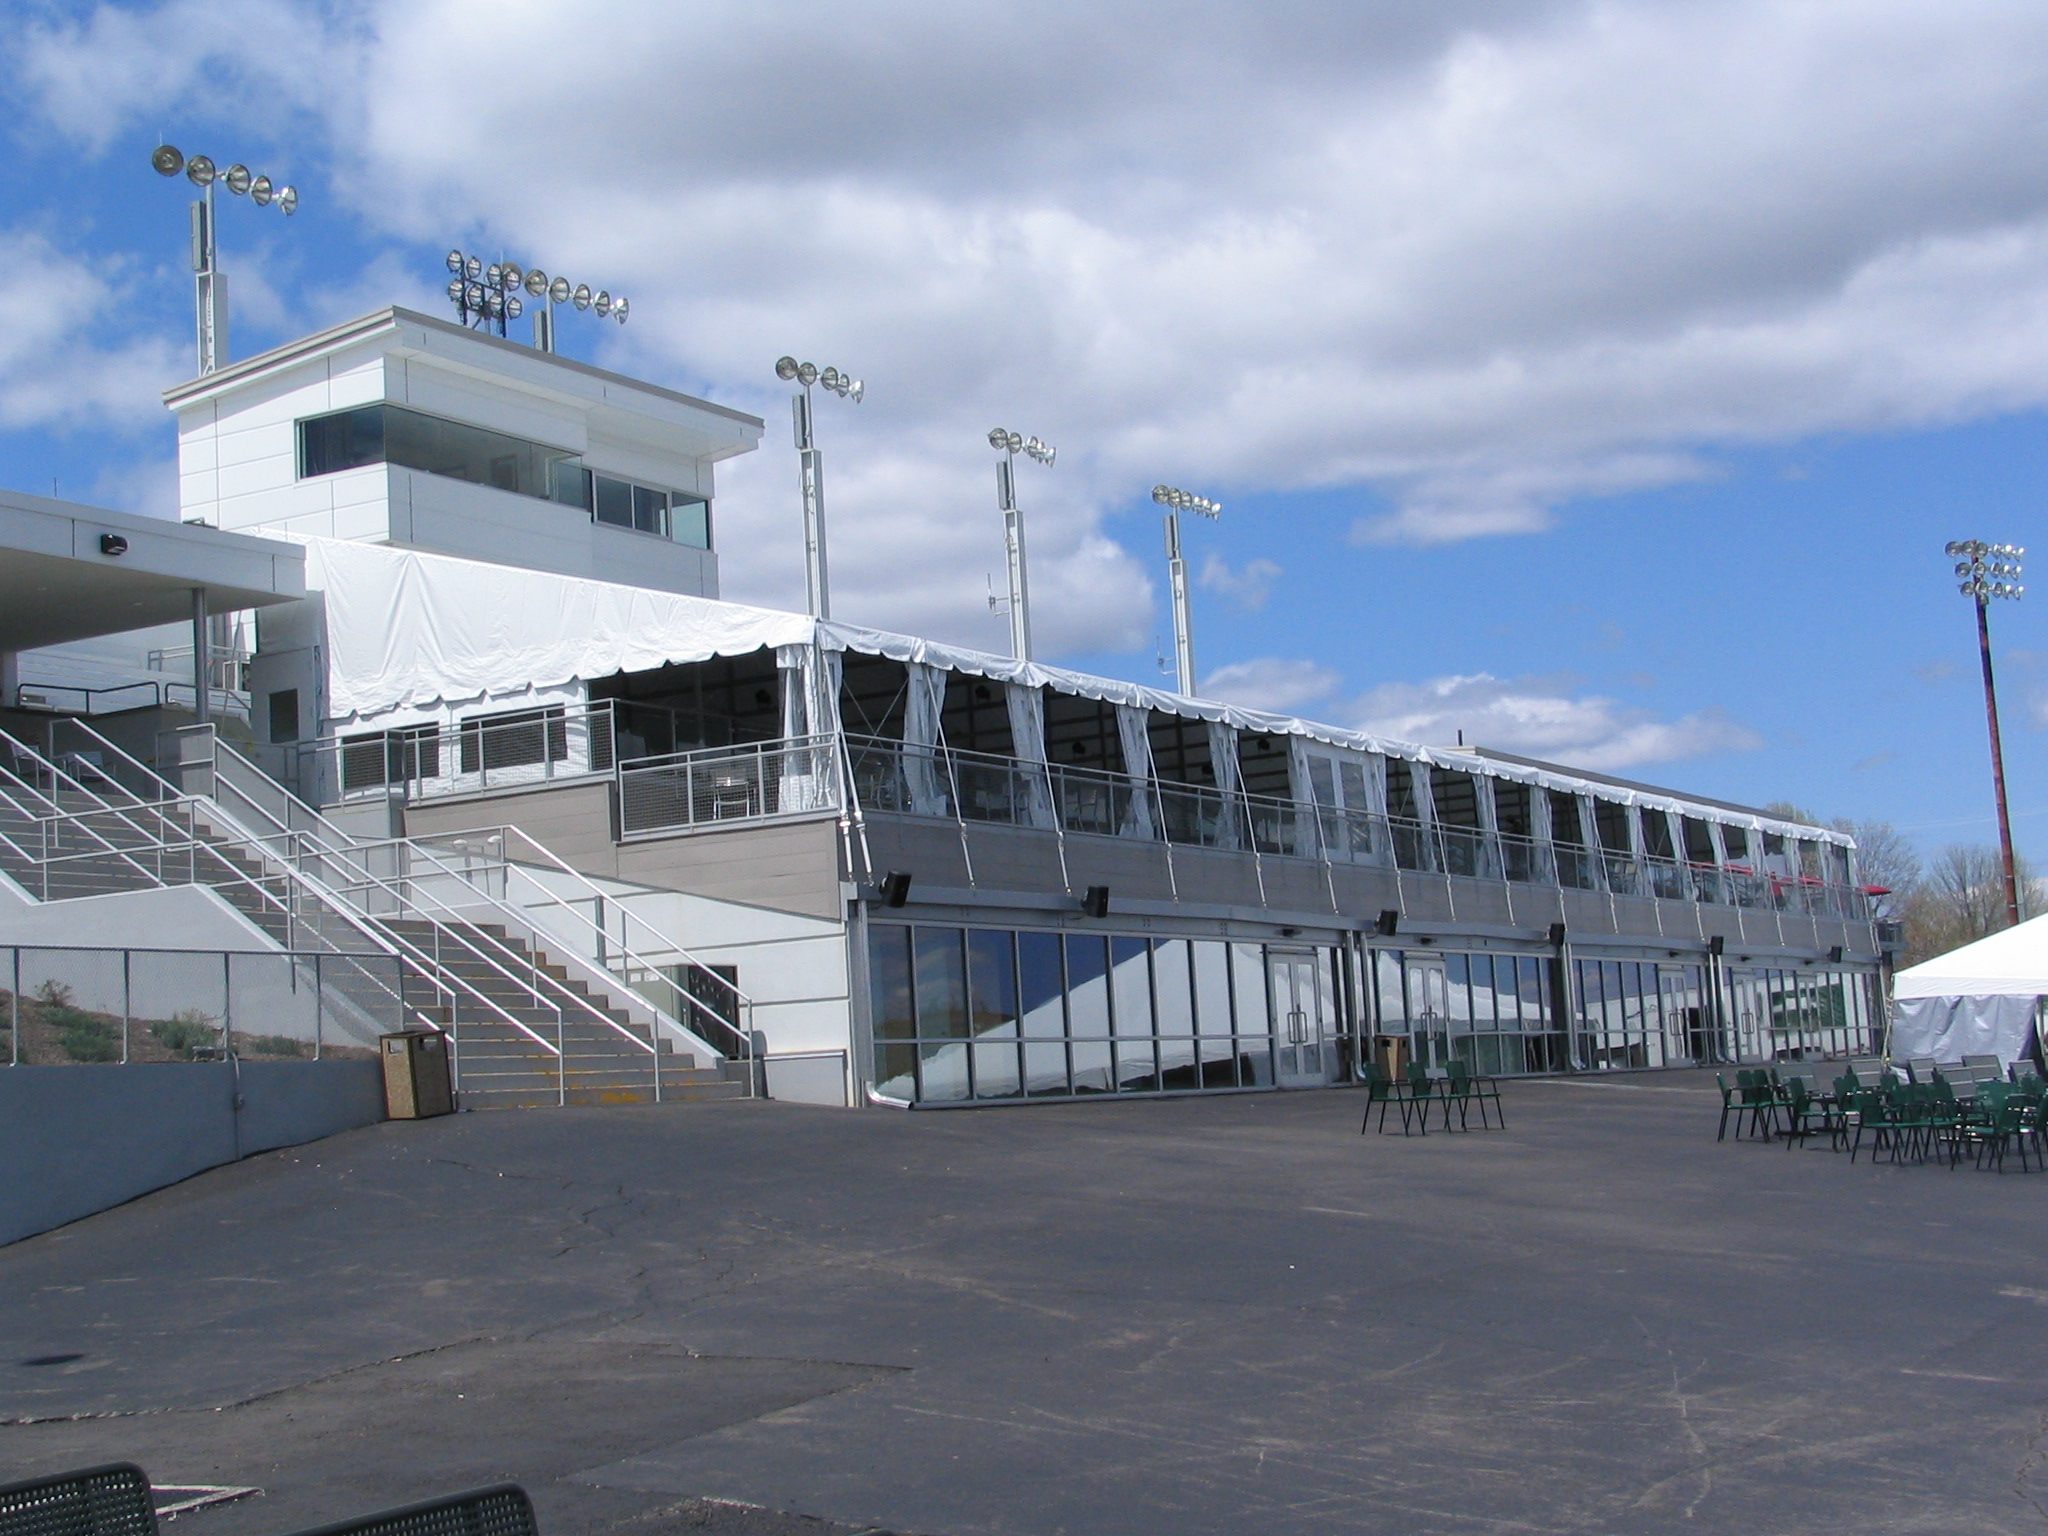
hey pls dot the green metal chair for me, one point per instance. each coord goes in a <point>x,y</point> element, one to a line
<point>1381,1090</point>
<point>1471,1087</point>
<point>1423,1091</point>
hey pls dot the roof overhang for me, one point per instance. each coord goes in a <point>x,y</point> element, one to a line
<point>627,407</point>
<point>57,585</point>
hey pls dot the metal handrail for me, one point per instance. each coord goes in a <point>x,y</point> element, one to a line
<point>451,924</point>
<point>430,967</point>
<point>741,1033</point>
<point>407,891</point>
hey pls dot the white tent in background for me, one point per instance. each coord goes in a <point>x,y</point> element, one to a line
<point>1978,1000</point>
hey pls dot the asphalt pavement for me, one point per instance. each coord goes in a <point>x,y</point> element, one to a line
<point>1196,1316</point>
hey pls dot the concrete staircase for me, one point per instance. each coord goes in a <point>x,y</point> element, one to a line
<point>500,1066</point>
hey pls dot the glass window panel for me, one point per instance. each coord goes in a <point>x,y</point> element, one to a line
<point>1218,1062</point>
<point>942,1071</point>
<point>1043,989</point>
<point>1248,989</point>
<point>1535,991</point>
<point>889,981</point>
<point>689,520</point>
<point>1178,1068</point>
<point>1322,780</point>
<point>1212,986</point>
<point>1172,988</point>
<point>1391,1006</point>
<point>650,509</point>
<point>1482,992</point>
<point>345,440</point>
<point>992,983</point>
<point>896,1071</point>
<point>1093,1070</point>
<point>1045,1067</point>
<point>1352,777</point>
<point>941,984</point>
<point>995,1070</point>
<point>1255,1061</point>
<point>1137,1066</point>
<point>1131,986</point>
<point>1458,975</point>
<point>613,501</point>
<point>1087,987</point>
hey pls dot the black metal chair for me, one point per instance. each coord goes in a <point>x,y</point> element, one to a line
<point>113,1500</point>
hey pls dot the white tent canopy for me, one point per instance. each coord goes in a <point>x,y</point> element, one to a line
<point>408,630</point>
<point>1977,1000</point>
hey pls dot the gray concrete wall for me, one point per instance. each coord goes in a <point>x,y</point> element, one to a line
<point>75,1140</point>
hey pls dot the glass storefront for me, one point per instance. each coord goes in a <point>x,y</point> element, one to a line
<point>991,1013</point>
<point>962,1014</point>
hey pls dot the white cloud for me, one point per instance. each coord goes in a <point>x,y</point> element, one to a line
<point>1248,589</point>
<point>1541,717</point>
<point>56,370</point>
<point>1476,259</point>
<point>1272,682</point>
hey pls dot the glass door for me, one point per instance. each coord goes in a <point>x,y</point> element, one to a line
<point>1304,1054</point>
<point>1429,1013</point>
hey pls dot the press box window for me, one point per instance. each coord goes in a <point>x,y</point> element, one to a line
<point>391,434</point>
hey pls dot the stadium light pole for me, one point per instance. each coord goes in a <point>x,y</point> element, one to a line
<point>1177,502</point>
<point>811,468</point>
<point>1988,571</point>
<point>211,284</point>
<point>1009,445</point>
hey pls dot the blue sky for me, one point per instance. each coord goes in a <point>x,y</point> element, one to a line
<point>1600,379</point>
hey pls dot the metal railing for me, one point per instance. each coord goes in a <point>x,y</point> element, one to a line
<point>280,896</point>
<point>755,782</point>
<point>936,781</point>
<point>524,872</point>
<point>69,699</point>
<point>434,881</point>
<point>68,1005</point>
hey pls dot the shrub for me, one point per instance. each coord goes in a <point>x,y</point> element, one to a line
<point>185,1034</point>
<point>83,1036</point>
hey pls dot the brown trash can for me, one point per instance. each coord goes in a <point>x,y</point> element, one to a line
<point>416,1080</point>
<point>1392,1053</point>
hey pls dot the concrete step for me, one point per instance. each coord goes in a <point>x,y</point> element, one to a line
<point>539,1098</point>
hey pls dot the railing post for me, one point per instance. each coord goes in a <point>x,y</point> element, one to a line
<point>127,1006</point>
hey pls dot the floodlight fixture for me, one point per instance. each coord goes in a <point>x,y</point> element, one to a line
<point>487,296</point>
<point>1177,501</point>
<point>811,468</point>
<point>1986,573</point>
<point>209,283</point>
<point>1009,444</point>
